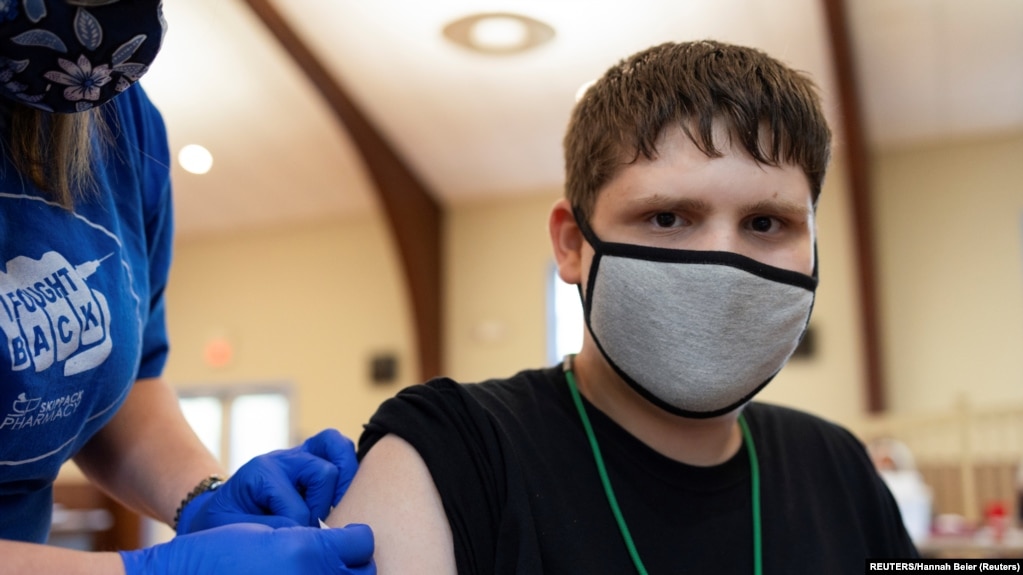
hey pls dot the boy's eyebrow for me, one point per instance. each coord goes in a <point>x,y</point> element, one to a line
<point>662,202</point>
<point>781,207</point>
<point>773,206</point>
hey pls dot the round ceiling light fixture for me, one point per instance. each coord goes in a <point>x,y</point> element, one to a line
<point>195,159</point>
<point>498,33</point>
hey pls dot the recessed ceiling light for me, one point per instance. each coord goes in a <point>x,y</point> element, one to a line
<point>195,159</point>
<point>498,32</point>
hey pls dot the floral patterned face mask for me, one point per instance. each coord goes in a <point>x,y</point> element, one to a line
<point>71,55</point>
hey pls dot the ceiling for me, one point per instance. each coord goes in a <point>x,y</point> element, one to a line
<point>476,126</point>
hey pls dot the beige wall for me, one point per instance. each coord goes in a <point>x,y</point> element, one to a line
<point>307,306</point>
<point>311,305</point>
<point>499,256</point>
<point>950,224</point>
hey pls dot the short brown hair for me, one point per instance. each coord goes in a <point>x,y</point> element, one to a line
<point>693,84</point>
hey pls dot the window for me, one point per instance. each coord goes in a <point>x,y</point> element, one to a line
<point>564,318</point>
<point>236,423</point>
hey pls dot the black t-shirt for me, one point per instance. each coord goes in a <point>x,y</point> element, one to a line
<point>518,482</point>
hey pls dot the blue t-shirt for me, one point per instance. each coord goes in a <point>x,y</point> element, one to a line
<point>81,308</point>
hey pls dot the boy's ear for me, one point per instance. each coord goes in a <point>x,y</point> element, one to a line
<point>567,241</point>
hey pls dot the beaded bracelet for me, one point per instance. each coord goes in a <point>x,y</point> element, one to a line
<point>211,483</point>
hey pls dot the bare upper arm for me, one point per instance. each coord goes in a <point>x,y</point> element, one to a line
<point>393,492</point>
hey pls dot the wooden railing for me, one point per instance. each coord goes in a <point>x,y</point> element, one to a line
<point>969,456</point>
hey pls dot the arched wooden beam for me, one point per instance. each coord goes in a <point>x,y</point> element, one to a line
<point>858,160</point>
<point>415,217</point>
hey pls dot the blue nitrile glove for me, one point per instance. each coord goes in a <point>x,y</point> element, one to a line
<point>284,488</point>
<point>251,549</point>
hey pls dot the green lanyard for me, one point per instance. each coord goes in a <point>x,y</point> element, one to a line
<point>747,438</point>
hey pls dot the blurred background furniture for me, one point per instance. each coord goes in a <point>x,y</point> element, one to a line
<point>970,459</point>
<point>86,518</point>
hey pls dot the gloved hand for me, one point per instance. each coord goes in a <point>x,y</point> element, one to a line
<point>251,549</point>
<point>284,488</point>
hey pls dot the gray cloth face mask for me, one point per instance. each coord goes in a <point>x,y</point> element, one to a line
<point>697,333</point>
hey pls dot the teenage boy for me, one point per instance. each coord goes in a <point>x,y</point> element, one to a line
<point>693,172</point>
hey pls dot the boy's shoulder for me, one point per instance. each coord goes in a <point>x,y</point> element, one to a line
<point>775,411</point>
<point>529,386</point>
<point>514,384</point>
<point>775,414</point>
<point>791,427</point>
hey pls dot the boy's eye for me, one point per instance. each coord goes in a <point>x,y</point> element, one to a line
<point>762,224</point>
<point>665,219</point>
